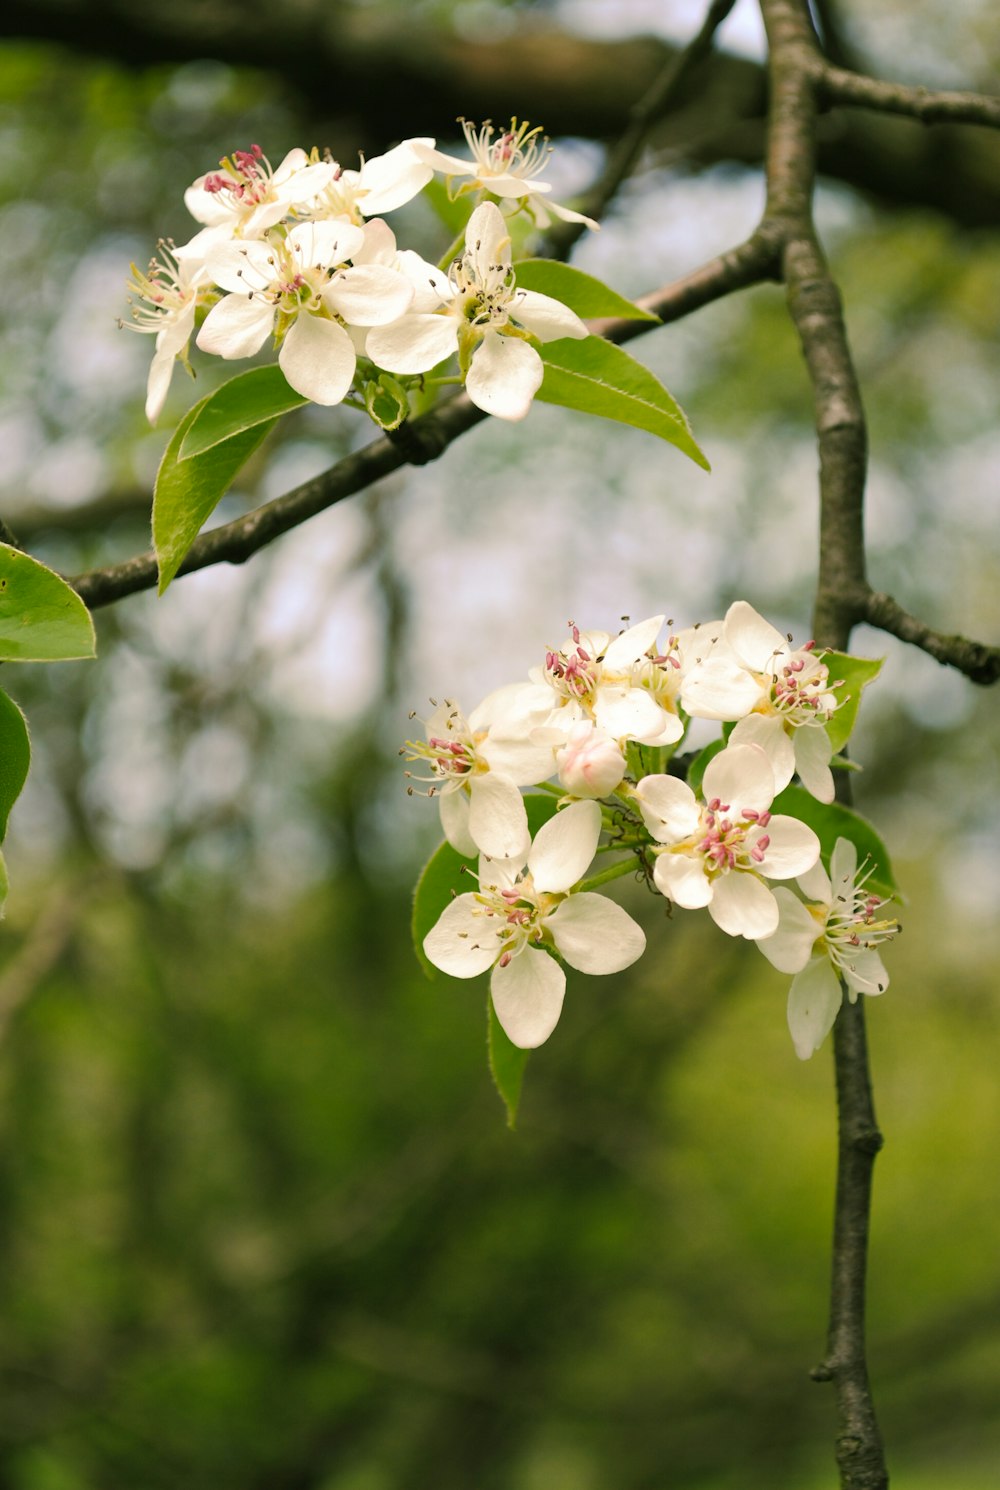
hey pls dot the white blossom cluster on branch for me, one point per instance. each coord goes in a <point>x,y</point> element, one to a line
<point>301,254</point>
<point>597,725</point>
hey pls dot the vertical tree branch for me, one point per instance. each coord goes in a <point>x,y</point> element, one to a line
<point>814,304</point>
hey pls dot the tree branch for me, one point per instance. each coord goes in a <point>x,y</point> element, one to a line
<point>978,662</point>
<point>835,85</point>
<point>814,305</point>
<point>425,439</point>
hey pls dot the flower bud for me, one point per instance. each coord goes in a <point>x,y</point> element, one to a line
<point>590,763</point>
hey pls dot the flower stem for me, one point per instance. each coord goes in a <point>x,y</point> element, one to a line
<point>613,872</point>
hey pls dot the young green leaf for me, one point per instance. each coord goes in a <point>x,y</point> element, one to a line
<point>851,674</point>
<point>597,377</point>
<point>188,491</point>
<point>507,1063</point>
<point>386,401</point>
<point>15,757</point>
<point>830,821</point>
<point>42,619</point>
<point>589,297</point>
<point>251,398</point>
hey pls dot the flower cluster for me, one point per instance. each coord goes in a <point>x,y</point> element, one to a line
<point>597,725</point>
<point>301,253</point>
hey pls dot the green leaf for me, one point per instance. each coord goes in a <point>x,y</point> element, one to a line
<point>507,1063</point>
<point>851,674</point>
<point>589,297</point>
<point>42,618</point>
<point>444,876</point>
<point>597,377</point>
<point>251,398</point>
<point>830,821</point>
<point>15,757</point>
<point>188,491</point>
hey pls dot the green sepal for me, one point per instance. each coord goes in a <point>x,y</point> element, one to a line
<point>589,297</point>
<point>507,1062</point>
<point>387,401</point>
<point>851,674</point>
<point>697,768</point>
<point>15,757</point>
<point>188,491</point>
<point>445,875</point>
<point>246,401</point>
<point>830,821</point>
<point>42,618</point>
<point>597,377</point>
<point>646,760</point>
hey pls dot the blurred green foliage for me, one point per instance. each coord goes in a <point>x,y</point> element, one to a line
<point>261,1222</point>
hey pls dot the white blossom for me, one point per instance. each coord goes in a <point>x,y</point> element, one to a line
<point>829,937</point>
<point>303,288</point>
<point>521,910</point>
<point>717,852</point>
<point>781,696</point>
<point>383,183</point>
<point>590,763</point>
<point>486,319</point>
<point>506,166</point>
<point>475,769</point>
<point>246,196</point>
<point>167,298</point>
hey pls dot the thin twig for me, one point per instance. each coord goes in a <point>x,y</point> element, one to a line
<point>655,102</point>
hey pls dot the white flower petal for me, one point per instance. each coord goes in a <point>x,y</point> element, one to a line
<point>864,972</point>
<point>768,731</point>
<point>564,848</point>
<point>814,1001</point>
<point>595,935</point>
<point>740,776</point>
<point>719,688</point>
<point>528,997</point>
<point>627,712</point>
<point>793,848</point>
<point>464,941</point>
<point>669,807</point>
<point>318,359</point>
<point>454,809</point>
<point>391,179</point>
<point>624,650</point>
<point>487,237</point>
<point>682,879</point>
<point>813,752</point>
<point>369,294</point>
<point>413,344</point>
<point>742,905</point>
<point>755,641</point>
<point>545,317</point>
<point>504,376</point>
<point>790,947</point>
<point>238,326</point>
<point>498,821</point>
<point>322,245</point>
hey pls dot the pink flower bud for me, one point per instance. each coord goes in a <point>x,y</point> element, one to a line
<point>590,763</point>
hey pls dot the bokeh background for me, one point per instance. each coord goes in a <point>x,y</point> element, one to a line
<point>261,1224</point>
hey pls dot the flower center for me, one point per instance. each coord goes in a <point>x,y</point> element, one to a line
<point>244,181</point>
<point>725,843</point>
<point>451,758</point>
<point>160,293</point>
<point>573,674</point>
<point>517,151</point>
